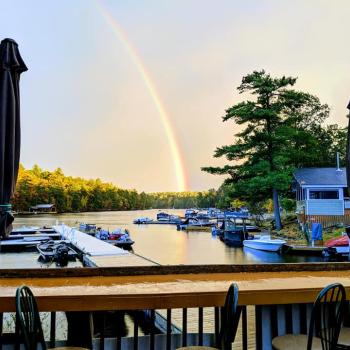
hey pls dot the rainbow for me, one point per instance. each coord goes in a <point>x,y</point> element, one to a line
<point>146,77</point>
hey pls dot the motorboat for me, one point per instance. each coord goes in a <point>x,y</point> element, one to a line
<point>166,218</point>
<point>59,252</point>
<point>162,216</point>
<point>190,213</point>
<point>195,224</point>
<point>90,229</point>
<point>337,248</point>
<point>143,220</point>
<point>231,232</point>
<point>265,243</point>
<point>118,237</point>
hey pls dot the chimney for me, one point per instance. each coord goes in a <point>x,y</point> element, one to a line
<point>338,162</point>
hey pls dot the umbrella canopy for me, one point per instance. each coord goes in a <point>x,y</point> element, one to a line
<point>11,67</point>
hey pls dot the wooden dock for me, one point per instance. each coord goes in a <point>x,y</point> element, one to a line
<point>303,249</point>
<point>98,253</point>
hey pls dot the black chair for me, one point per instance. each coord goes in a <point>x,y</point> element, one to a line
<point>28,320</point>
<point>230,315</point>
<point>325,322</point>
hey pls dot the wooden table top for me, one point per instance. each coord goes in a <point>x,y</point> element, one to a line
<point>170,291</point>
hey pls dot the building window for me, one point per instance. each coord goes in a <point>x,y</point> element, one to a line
<point>324,194</point>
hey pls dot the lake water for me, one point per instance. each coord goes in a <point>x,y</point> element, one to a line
<point>163,243</point>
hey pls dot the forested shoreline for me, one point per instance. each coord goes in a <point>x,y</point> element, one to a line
<point>75,194</point>
<point>282,129</point>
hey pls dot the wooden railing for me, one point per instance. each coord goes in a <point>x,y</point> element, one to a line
<point>274,298</point>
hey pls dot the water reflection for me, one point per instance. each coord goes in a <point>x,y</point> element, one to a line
<point>163,243</point>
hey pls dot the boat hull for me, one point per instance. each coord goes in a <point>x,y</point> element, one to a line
<point>234,238</point>
<point>261,245</point>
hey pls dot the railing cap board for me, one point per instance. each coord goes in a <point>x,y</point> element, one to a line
<point>171,270</point>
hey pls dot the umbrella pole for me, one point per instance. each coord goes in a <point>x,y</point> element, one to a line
<point>348,152</point>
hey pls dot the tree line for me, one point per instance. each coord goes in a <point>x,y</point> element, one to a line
<point>75,194</point>
<point>280,129</point>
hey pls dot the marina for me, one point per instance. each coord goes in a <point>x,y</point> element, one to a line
<point>173,247</point>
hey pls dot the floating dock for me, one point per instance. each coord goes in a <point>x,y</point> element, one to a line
<point>303,249</point>
<point>98,253</point>
<point>88,244</point>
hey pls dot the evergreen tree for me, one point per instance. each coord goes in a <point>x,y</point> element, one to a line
<point>278,125</point>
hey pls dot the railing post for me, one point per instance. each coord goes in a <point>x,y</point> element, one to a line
<point>102,334</point>
<point>151,340</point>
<point>168,329</point>
<point>136,332</point>
<point>217,324</point>
<point>184,327</point>
<point>244,328</point>
<point>1,328</point>
<point>200,326</point>
<point>52,329</point>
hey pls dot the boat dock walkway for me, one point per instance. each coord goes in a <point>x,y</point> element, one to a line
<point>99,253</point>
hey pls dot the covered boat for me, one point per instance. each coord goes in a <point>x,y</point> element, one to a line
<point>338,242</point>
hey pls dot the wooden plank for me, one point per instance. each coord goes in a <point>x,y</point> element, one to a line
<point>170,291</point>
<point>119,261</point>
<point>170,269</point>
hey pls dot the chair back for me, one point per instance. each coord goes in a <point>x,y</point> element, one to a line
<point>230,315</point>
<point>27,316</point>
<point>327,316</point>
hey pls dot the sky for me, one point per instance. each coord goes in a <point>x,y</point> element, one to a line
<point>133,92</point>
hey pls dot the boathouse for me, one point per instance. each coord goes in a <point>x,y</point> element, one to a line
<point>322,196</point>
<point>43,208</point>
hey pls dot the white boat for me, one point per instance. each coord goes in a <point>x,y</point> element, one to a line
<point>264,243</point>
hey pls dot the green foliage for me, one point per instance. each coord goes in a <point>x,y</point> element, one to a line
<point>35,186</point>
<point>288,204</point>
<point>282,130</point>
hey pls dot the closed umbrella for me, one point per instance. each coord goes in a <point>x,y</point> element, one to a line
<point>348,153</point>
<point>11,67</point>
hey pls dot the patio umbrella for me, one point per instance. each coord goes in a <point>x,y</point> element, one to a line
<point>348,152</point>
<point>11,67</point>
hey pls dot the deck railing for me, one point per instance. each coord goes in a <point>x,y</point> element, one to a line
<point>275,299</point>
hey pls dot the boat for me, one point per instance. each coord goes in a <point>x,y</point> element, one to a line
<point>165,218</point>
<point>265,243</point>
<point>26,229</point>
<point>199,224</point>
<point>235,237</point>
<point>337,253</point>
<point>27,237</point>
<point>338,241</point>
<point>144,220</point>
<point>59,252</point>
<point>214,213</point>
<point>190,213</point>
<point>233,231</point>
<point>162,216</point>
<point>90,229</point>
<point>118,237</point>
